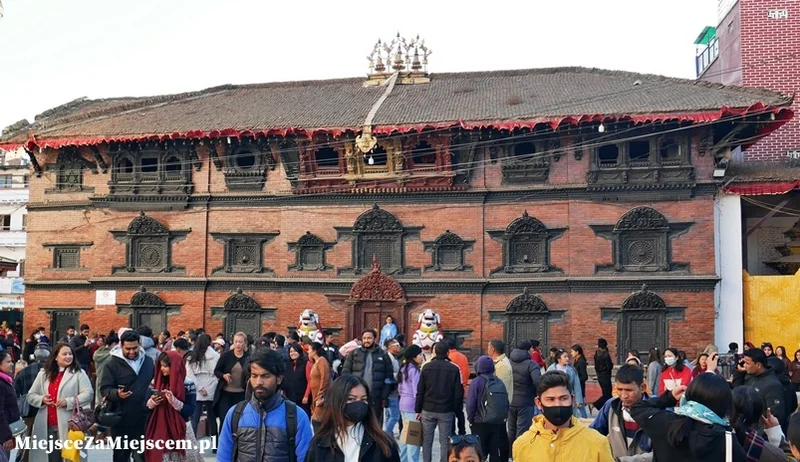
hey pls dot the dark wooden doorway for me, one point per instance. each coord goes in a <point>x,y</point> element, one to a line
<point>373,315</point>
<point>640,331</point>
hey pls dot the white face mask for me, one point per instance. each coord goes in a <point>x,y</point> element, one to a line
<point>670,360</point>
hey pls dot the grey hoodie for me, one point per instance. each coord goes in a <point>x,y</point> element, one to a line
<point>149,347</point>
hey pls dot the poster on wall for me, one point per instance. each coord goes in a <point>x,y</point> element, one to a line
<point>106,297</point>
<point>17,286</point>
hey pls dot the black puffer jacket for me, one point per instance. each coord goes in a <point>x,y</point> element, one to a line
<point>526,376</point>
<point>701,443</point>
<point>119,373</point>
<point>322,451</point>
<point>382,369</point>
<point>603,365</point>
<point>10,410</point>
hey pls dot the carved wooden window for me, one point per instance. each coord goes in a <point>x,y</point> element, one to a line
<point>242,314</point>
<point>60,321</point>
<point>246,163</point>
<point>448,252</point>
<point>378,233</point>
<point>642,241</point>
<point>70,165</point>
<point>423,154</point>
<point>639,152</point>
<point>608,155</point>
<point>643,323</point>
<point>527,319</point>
<point>148,246</point>
<point>310,253</point>
<point>67,257</point>
<point>670,150</point>
<point>327,158</point>
<point>244,252</point>
<point>526,245</point>
<point>528,161</point>
<point>148,309</point>
<point>151,168</point>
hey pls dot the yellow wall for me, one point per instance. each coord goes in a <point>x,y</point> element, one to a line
<point>772,310</point>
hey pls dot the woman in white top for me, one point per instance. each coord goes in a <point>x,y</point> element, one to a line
<point>200,365</point>
<point>350,431</point>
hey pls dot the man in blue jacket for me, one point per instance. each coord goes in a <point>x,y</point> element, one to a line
<point>628,442</point>
<point>261,429</point>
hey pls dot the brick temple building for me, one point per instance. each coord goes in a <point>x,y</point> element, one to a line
<point>557,204</point>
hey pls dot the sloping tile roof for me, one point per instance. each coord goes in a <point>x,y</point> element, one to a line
<point>345,103</point>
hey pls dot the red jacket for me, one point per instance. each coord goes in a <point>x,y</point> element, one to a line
<point>536,357</point>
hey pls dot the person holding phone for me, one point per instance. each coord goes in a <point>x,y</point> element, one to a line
<point>126,384</point>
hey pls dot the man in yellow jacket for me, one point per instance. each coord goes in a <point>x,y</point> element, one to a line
<point>557,436</point>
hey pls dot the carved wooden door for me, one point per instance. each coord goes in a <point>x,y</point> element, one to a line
<point>154,319</point>
<point>640,331</point>
<point>526,327</point>
<point>373,317</point>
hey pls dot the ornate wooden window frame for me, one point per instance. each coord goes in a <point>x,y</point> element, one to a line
<point>169,186</point>
<point>241,304</point>
<point>641,242</point>
<point>147,234</point>
<point>310,242</point>
<point>239,177</point>
<point>533,170</point>
<point>527,307</point>
<point>72,247</point>
<point>144,302</point>
<point>643,304</point>
<point>526,229</point>
<point>70,165</point>
<point>448,241</point>
<point>244,252</point>
<point>378,224</point>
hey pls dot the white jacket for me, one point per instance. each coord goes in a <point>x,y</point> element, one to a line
<point>203,374</point>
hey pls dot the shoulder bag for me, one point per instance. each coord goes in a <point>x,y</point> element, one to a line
<point>82,419</point>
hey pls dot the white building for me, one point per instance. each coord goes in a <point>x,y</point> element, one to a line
<point>14,180</point>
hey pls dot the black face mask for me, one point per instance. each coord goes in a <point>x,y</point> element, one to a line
<point>356,411</point>
<point>557,415</point>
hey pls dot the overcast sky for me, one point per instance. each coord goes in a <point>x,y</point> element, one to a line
<point>54,51</point>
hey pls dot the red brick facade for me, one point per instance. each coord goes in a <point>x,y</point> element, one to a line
<point>760,51</point>
<point>471,302</point>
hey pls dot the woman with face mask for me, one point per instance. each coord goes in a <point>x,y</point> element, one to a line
<point>674,374</point>
<point>349,431</point>
<point>562,364</point>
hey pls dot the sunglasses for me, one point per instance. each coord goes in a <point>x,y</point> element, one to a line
<point>469,439</point>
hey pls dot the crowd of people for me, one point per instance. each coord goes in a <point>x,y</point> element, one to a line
<point>286,398</point>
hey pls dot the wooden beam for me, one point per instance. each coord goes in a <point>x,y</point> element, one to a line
<point>766,217</point>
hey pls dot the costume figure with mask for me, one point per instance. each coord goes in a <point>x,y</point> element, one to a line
<point>429,331</point>
<point>310,326</point>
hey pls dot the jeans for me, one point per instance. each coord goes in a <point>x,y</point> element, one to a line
<point>211,419</point>
<point>430,422</point>
<point>580,410</point>
<point>519,421</point>
<point>409,453</point>
<point>392,415</point>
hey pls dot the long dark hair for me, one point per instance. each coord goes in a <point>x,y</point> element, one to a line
<point>197,355</point>
<point>710,390</point>
<point>296,347</point>
<point>334,424</point>
<point>678,366</point>
<point>408,361</point>
<point>747,410</point>
<point>654,356</point>
<point>51,366</point>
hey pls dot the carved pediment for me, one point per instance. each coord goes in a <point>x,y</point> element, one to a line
<point>526,225</point>
<point>527,303</point>
<point>644,300</point>
<point>148,226</point>
<point>145,299</point>
<point>241,302</point>
<point>377,220</point>
<point>377,286</point>
<point>642,218</point>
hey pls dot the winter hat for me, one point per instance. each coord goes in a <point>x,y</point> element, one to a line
<point>220,342</point>
<point>122,330</point>
<point>484,365</point>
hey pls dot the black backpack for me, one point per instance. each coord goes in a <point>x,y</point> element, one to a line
<point>493,407</point>
<point>291,427</point>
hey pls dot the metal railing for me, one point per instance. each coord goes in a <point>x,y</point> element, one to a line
<point>707,56</point>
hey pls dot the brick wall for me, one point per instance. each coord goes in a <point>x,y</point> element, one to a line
<point>577,252</point>
<point>770,60</point>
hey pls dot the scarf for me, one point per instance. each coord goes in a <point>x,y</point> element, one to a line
<point>700,413</point>
<point>6,377</point>
<point>166,423</point>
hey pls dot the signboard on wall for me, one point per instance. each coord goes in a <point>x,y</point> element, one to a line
<point>8,302</point>
<point>106,297</point>
<point>778,14</point>
<point>17,286</point>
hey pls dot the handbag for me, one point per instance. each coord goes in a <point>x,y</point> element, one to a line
<point>106,416</point>
<point>82,419</point>
<point>18,428</point>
